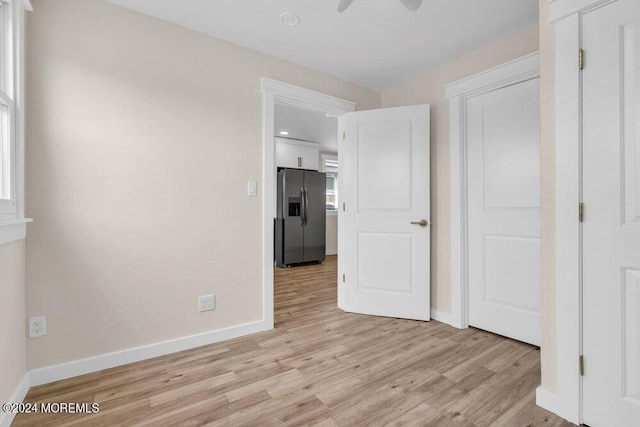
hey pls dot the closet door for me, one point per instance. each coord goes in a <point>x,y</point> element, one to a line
<point>611,227</point>
<point>503,157</point>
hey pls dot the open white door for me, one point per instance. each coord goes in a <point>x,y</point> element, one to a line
<point>386,217</point>
<point>611,227</point>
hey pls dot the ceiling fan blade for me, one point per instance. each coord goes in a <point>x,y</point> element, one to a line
<point>344,4</point>
<point>411,5</point>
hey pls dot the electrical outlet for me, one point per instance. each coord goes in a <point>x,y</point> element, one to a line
<point>37,326</point>
<point>206,302</point>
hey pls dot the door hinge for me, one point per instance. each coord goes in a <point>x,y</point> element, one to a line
<point>581,59</point>
<point>344,207</point>
<point>344,136</point>
<point>581,212</point>
<point>343,278</point>
<point>581,365</point>
<point>299,162</point>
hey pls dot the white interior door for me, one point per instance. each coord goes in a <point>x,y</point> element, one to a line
<point>503,160</point>
<point>385,168</point>
<point>611,228</point>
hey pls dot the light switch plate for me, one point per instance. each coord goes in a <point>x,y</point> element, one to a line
<point>252,188</point>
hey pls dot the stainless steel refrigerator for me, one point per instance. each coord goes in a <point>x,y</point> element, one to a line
<point>301,217</point>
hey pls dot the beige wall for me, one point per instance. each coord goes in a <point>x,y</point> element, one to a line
<point>141,138</point>
<point>547,196</point>
<point>429,88</point>
<point>13,329</point>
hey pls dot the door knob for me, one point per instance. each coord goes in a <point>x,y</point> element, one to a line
<point>422,223</point>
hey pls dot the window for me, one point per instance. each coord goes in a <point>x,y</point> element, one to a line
<point>330,166</point>
<point>7,112</point>
<point>12,220</point>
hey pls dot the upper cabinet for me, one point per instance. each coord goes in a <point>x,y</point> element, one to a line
<point>296,154</point>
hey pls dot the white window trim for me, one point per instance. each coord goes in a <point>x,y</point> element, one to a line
<point>8,206</point>
<point>15,228</point>
<point>323,158</point>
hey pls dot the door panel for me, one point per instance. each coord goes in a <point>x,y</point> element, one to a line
<point>500,286</point>
<point>631,99</point>
<point>611,228</point>
<point>386,259</point>
<point>379,189</point>
<point>503,146</point>
<point>511,148</point>
<point>631,328</point>
<point>315,184</point>
<point>374,272</point>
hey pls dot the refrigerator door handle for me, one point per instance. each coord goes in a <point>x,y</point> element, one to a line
<point>303,207</point>
<point>306,205</point>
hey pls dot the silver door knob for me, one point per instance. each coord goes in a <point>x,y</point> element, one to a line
<point>422,223</point>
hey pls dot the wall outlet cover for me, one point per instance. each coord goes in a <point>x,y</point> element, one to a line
<point>206,302</point>
<point>37,326</point>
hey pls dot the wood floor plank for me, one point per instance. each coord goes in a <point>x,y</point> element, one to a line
<point>320,366</point>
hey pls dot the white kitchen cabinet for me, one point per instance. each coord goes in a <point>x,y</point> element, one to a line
<point>296,154</point>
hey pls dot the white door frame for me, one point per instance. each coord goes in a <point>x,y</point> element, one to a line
<point>517,71</point>
<point>273,92</point>
<point>566,400</point>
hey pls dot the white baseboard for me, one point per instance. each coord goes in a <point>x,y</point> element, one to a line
<point>443,317</point>
<point>75,368</point>
<point>331,252</point>
<point>547,400</point>
<point>552,403</point>
<point>17,397</point>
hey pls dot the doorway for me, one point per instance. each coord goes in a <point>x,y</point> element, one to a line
<point>385,153</point>
<point>306,223</point>
<point>288,99</point>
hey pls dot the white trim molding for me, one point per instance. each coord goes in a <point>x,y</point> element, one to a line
<point>26,4</point>
<point>6,418</point>
<point>443,317</point>
<point>63,371</point>
<point>306,98</point>
<point>567,17</point>
<point>560,9</point>
<point>13,229</point>
<point>547,400</point>
<point>519,70</point>
<point>274,92</point>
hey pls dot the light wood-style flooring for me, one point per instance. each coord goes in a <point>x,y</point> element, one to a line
<point>320,366</point>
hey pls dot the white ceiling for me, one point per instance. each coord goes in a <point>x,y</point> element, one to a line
<point>307,125</point>
<point>375,43</point>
